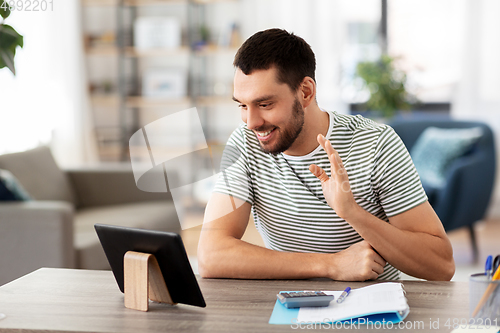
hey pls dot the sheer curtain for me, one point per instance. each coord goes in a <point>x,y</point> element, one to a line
<point>477,96</point>
<point>46,102</point>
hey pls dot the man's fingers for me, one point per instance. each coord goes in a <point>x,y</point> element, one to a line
<point>327,146</point>
<point>378,263</point>
<point>373,276</point>
<point>333,156</point>
<point>319,172</point>
<point>321,140</point>
<point>378,259</point>
<point>383,263</point>
<point>374,255</point>
<point>377,268</point>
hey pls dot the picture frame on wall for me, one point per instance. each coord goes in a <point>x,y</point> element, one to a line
<point>165,83</point>
<point>157,33</point>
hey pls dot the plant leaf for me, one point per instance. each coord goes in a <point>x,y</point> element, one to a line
<point>13,32</point>
<point>4,9</point>
<point>20,41</point>
<point>9,41</point>
<point>9,36</point>
<point>8,58</point>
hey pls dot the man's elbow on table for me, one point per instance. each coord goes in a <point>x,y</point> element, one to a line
<point>207,262</point>
<point>451,271</point>
<point>204,269</point>
<point>214,257</point>
<point>448,270</point>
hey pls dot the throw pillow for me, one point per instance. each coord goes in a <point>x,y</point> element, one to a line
<point>436,148</point>
<point>11,189</point>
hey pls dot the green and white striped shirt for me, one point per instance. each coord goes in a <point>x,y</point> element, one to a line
<point>288,205</point>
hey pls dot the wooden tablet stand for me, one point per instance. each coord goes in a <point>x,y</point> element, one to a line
<point>143,281</point>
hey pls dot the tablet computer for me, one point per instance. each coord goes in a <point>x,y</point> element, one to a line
<point>169,251</point>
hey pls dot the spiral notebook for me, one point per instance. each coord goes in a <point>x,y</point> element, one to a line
<point>374,303</point>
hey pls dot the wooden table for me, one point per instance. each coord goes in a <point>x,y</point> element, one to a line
<point>89,301</point>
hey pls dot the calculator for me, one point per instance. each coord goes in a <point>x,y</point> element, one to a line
<point>297,299</point>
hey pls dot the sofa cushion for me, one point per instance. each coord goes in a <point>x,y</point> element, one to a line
<point>436,148</point>
<point>155,215</point>
<point>39,174</point>
<point>11,189</point>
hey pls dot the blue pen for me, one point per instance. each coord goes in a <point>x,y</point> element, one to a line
<point>488,267</point>
<point>344,294</point>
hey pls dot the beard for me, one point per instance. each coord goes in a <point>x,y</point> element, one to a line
<point>287,134</point>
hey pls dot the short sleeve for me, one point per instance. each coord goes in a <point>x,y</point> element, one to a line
<point>234,176</point>
<point>394,177</point>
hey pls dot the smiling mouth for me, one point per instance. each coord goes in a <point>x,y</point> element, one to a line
<point>261,134</point>
<point>265,135</point>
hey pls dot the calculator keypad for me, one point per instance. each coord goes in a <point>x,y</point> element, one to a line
<point>295,299</point>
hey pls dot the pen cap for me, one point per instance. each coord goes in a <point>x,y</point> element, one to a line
<point>484,298</point>
<point>489,263</point>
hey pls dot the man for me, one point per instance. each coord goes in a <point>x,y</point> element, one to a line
<point>332,195</point>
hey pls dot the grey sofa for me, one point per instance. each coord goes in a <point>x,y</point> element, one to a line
<point>56,228</point>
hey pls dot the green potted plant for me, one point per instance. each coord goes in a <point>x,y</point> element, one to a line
<point>9,40</point>
<point>387,86</point>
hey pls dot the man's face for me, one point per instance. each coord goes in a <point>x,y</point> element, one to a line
<point>269,108</point>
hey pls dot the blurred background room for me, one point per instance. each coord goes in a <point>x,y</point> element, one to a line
<point>99,86</point>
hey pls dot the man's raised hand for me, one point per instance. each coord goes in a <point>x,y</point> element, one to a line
<point>336,189</point>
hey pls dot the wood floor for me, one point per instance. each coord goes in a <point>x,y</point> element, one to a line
<point>487,232</point>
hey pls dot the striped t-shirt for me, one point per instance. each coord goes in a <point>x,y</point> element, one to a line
<point>288,205</point>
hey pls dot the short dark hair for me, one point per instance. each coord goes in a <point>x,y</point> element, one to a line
<point>292,56</point>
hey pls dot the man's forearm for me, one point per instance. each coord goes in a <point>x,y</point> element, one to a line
<point>234,258</point>
<point>416,253</point>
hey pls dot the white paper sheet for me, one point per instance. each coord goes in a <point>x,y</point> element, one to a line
<point>377,298</point>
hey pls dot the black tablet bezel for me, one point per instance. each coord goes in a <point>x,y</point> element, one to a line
<point>169,251</point>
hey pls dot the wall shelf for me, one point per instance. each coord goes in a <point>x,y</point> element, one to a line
<point>117,83</point>
<point>105,100</point>
<point>141,102</point>
<point>106,51</point>
<point>100,2</point>
<point>134,52</point>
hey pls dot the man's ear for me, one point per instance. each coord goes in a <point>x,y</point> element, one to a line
<point>307,91</point>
